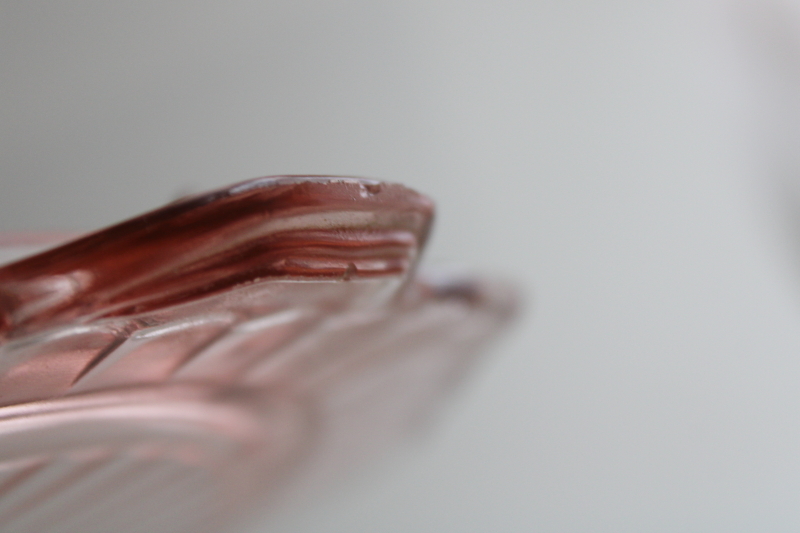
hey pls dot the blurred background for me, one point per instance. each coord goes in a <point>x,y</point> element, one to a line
<point>634,166</point>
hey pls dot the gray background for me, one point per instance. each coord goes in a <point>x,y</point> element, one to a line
<point>630,164</point>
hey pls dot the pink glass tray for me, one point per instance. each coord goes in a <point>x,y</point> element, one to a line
<point>174,371</point>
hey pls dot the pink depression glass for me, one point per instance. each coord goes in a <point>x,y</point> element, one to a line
<point>176,370</point>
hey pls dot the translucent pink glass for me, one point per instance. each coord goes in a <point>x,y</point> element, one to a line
<point>174,371</point>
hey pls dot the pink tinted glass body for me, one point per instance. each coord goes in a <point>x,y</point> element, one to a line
<point>178,369</point>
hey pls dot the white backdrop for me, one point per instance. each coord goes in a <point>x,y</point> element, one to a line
<point>631,164</point>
